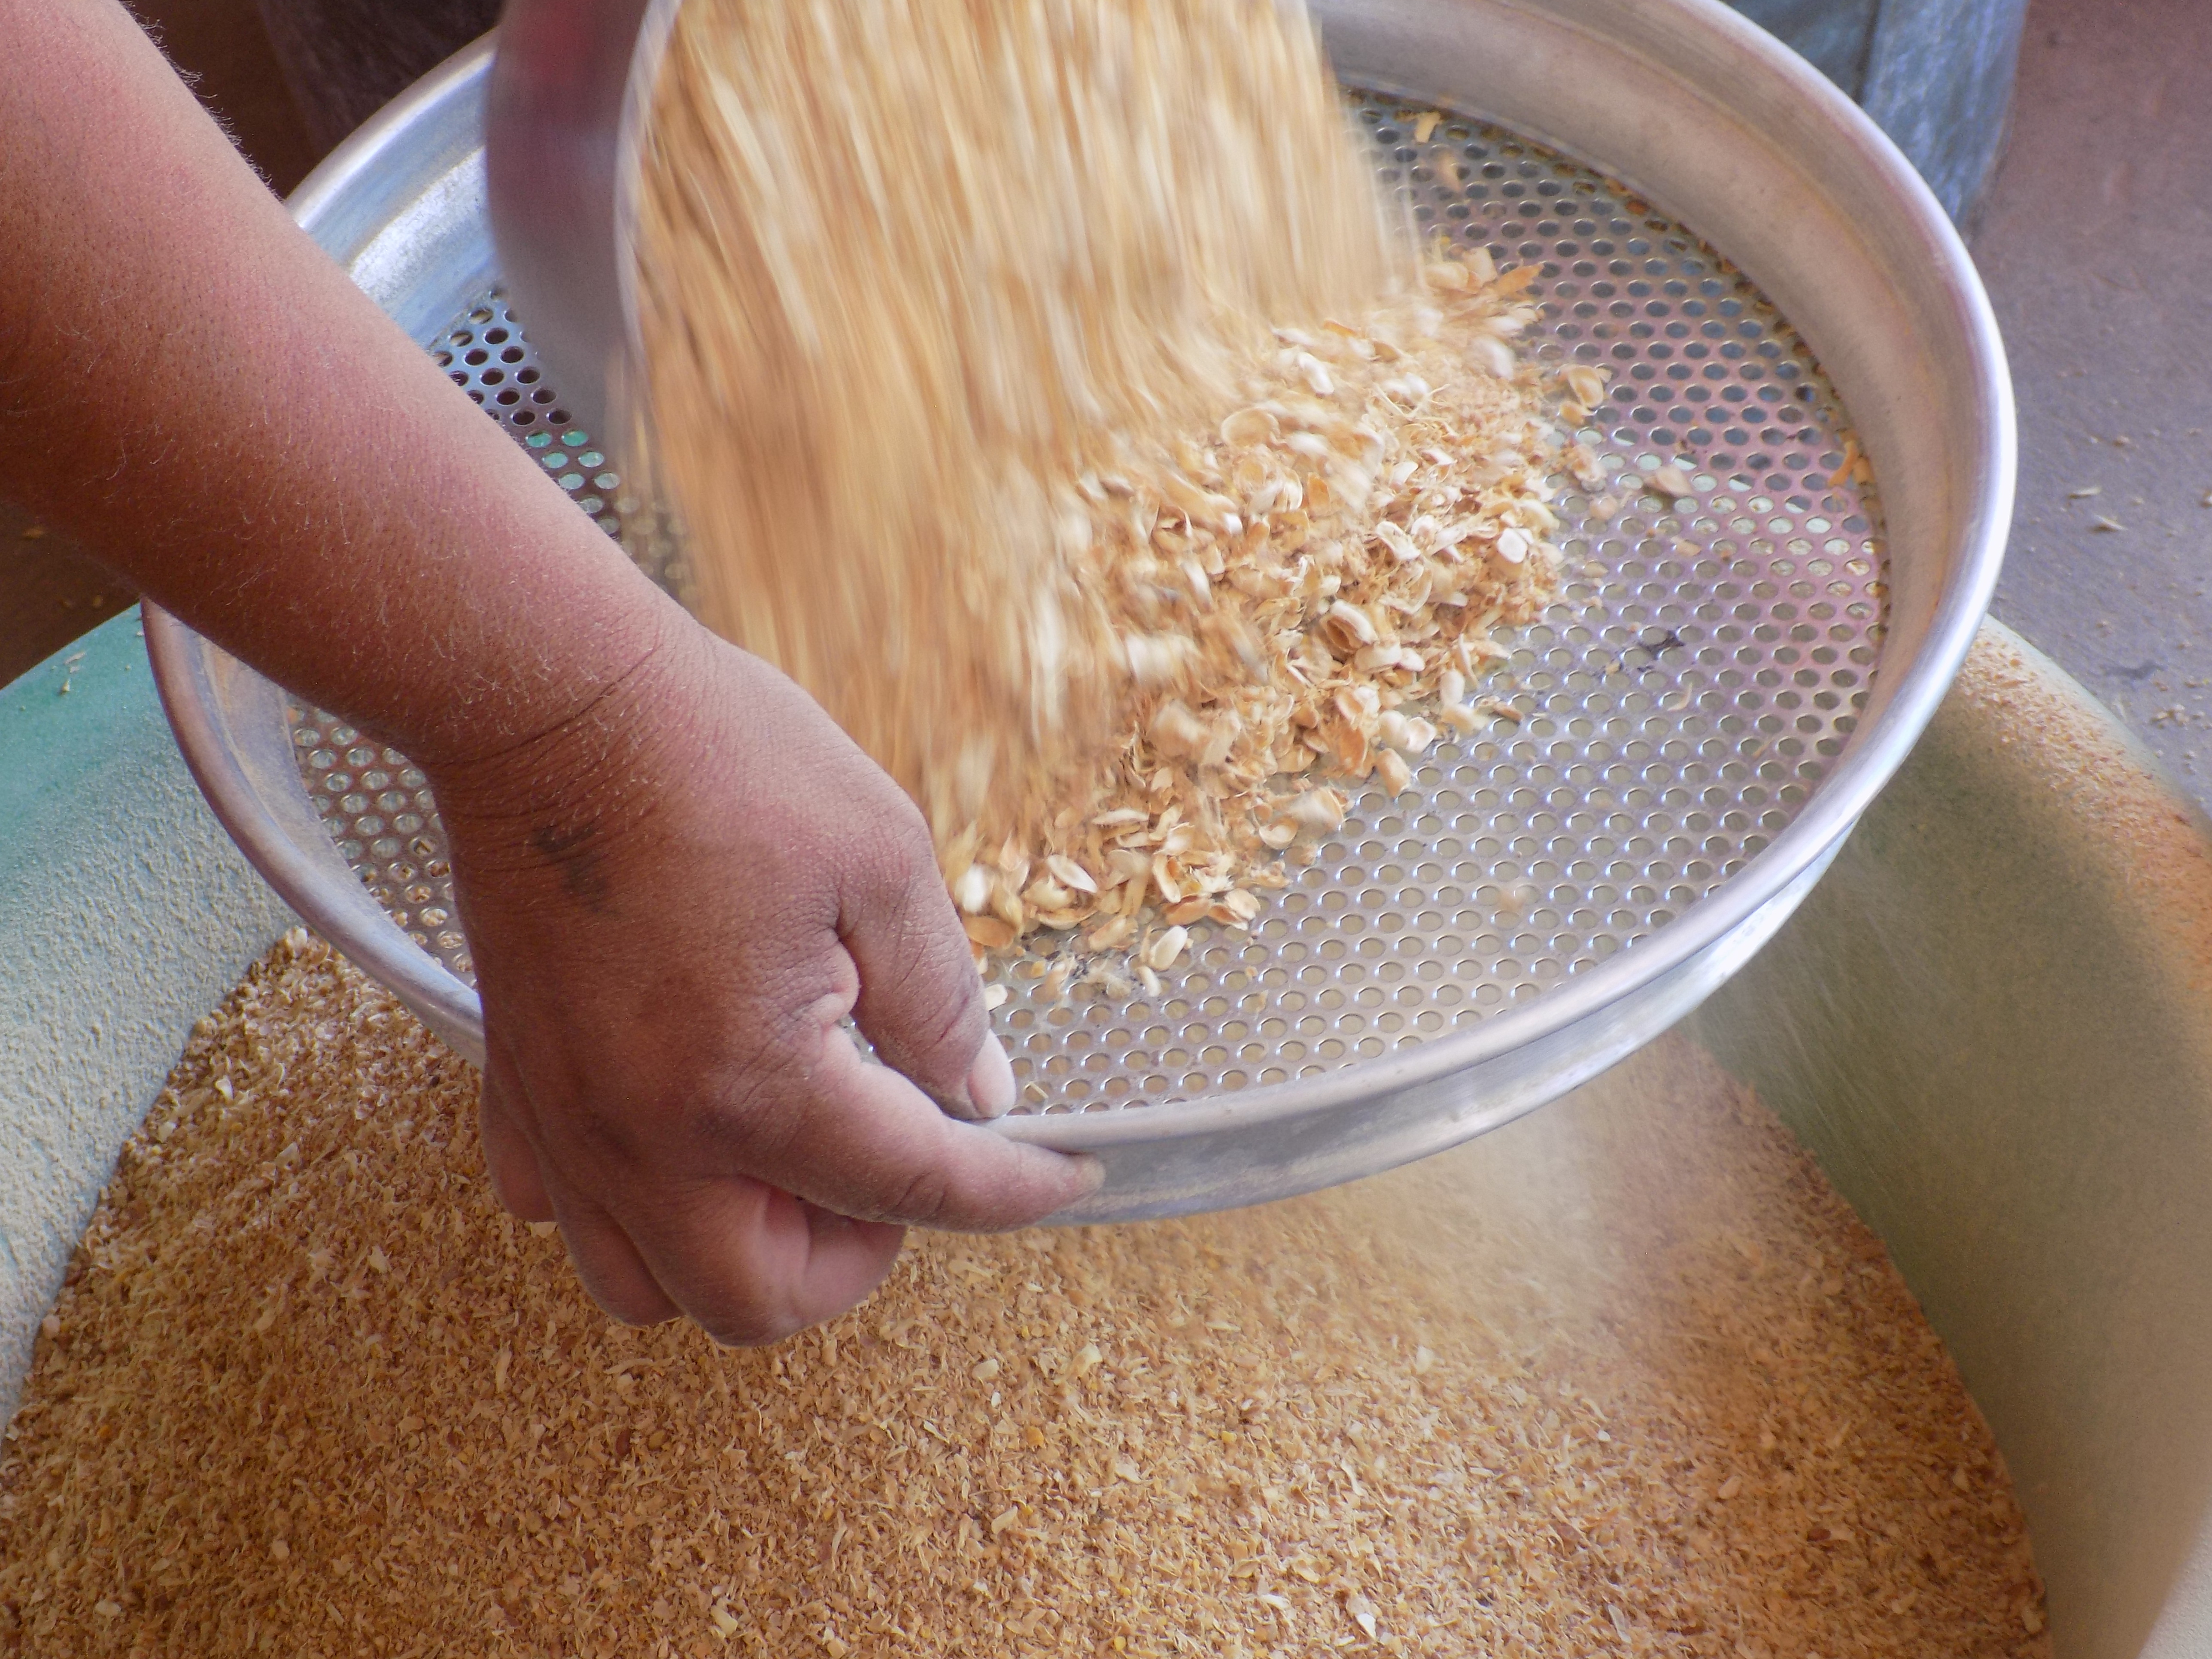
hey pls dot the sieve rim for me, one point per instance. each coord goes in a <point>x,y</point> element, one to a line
<point>1725,923</point>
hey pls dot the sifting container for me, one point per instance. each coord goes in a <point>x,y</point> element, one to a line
<point>1727,680</point>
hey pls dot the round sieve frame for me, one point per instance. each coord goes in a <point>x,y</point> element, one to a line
<point>1698,113</point>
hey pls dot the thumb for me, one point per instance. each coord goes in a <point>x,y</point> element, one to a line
<point>866,1144</point>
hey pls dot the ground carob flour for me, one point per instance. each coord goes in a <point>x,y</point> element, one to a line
<point>1627,1377</point>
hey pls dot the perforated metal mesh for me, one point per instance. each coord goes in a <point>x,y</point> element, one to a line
<point>1704,666</point>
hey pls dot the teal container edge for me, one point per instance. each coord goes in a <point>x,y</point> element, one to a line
<point>1992,1022</point>
<point>126,914</point>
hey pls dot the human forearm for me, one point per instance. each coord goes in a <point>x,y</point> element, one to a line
<point>677,877</point>
<point>213,407</point>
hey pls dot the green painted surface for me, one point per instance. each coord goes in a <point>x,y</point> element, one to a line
<point>126,914</point>
<point>86,709</point>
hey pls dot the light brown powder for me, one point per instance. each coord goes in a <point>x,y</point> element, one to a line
<point>1626,1376</point>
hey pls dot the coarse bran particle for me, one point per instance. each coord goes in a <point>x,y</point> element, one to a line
<point>1100,459</point>
<point>1625,1374</point>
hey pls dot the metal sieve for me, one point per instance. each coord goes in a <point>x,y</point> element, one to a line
<point>1726,680</point>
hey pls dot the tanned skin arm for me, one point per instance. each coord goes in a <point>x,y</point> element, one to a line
<point>676,874</point>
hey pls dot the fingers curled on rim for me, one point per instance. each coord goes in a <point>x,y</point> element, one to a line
<point>868,1143</point>
<point>608,1264</point>
<point>611,1267</point>
<point>517,1179</point>
<point>751,1264</point>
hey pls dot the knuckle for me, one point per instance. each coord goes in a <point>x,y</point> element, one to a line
<point>923,1200</point>
<point>756,1106</point>
<point>900,860</point>
<point>594,1136</point>
<point>898,816</point>
<point>942,1034</point>
<point>630,1308</point>
<point>923,1007</point>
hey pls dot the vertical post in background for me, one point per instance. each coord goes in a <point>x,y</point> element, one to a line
<point>1939,81</point>
<point>1935,74</point>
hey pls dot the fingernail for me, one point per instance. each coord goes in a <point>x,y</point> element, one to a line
<point>991,1080</point>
